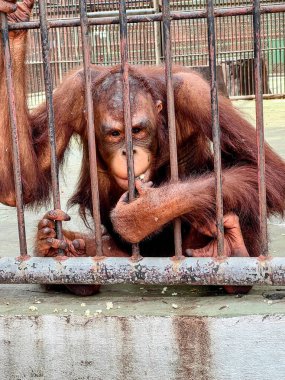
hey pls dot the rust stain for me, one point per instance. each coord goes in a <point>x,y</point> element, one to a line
<point>177,258</point>
<point>193,342</point>
<point>126,370</point>
<point>99,258</point>
<point>61,258</point>
<point>23,258</point>
<point>176,263</point>
<point>135,258</point>
<point>220,259</point>
<point>263,258</point>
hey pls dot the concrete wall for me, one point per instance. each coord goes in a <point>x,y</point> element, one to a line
<point>56,347</point>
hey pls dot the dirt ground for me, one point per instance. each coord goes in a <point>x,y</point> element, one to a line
<point>274,117</point>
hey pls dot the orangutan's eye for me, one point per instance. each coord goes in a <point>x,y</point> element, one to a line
<point>136,130</point>
<point>115,133</point>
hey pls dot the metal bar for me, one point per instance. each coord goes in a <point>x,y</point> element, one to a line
<point>260,128</point>
<point>127,109</point>
<point>265,96</point>
<point>50,114</point>
<point>149,270</point>
<point>215,127</point>
<point>14,135</point>
<point>232,11</point>
<point>227,52</point>
<point>130,12</point>
<point>157,36</point>
<point>171,117</point>
<point>91,132</point>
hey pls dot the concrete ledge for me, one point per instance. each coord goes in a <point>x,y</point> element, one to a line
<point>132,332</point>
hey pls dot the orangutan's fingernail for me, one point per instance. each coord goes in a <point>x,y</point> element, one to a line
<point>76,244</point>
<point>63,245</point>
<point>189,252</point>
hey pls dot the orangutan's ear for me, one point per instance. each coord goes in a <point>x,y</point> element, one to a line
<point>159,106</point>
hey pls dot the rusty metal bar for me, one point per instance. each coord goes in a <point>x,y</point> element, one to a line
<point>265,96</point>
<point>171,117</point>
<point>215,127</point>
<point>127,110</point>
<point>14,135</point>
<point>149,270</point>
<point>91,131</point>
<point>133,12</point>
<point>260,128</point>
<point>157,35</point>
<point>50,113</point>
<point>224,12</point>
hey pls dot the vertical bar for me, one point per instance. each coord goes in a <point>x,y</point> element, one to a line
<point>14,134</point>
<point>260,127</point>
<point>50,112</point>
<point>171,117</point>
<point>216,127</point>
<point>91,132</point>
<point>59,55</point>
<point>157,37</point>
<point>127,108</point>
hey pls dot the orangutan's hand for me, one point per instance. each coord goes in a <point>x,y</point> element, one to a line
<point>233,242</point>
<point>17,12</point>
<point>46,242</point>
<point>133,220</point>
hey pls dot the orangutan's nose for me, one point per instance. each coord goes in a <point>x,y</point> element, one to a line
<point>124,152</point>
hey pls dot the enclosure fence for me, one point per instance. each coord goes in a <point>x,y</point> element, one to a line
<point>136,269</point>
<point>234,43</point>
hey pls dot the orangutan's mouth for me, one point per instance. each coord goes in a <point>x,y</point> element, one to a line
<point>124,183</point>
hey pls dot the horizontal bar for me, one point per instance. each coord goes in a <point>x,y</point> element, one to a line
<point>130,12</point>
<point>224,12</point>
<point>149,270</point>
<point>250,97</point>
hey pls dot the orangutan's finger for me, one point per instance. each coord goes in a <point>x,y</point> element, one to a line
<point>104,230</point>
<point>78,244</point>
<point>55,243</point>
<point>240,252</point>
<point>44,250</point>
<point>209,230</point>
<point>45,233</point>
<point>142,187</point>
<point>231,220</point>
<point>57,215</point>
<point>8,6</point>
<point>46,223</point>
<point>188,252</point>
<point>207,251</point>
<point>124,198</point>
<point>29,3</point>
<point>148,185</point>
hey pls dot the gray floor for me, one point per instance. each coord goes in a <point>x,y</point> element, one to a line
<point>274,116</point>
